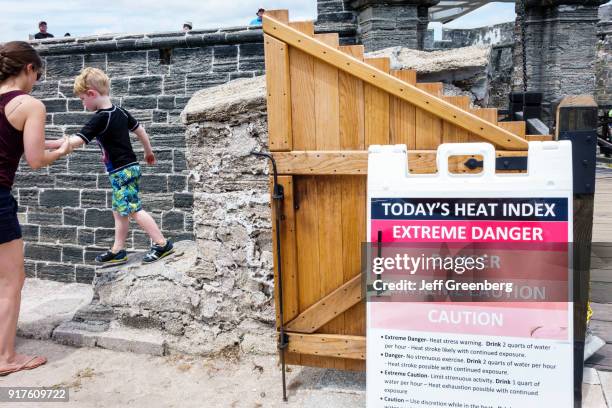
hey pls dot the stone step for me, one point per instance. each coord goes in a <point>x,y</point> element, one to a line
<point>116,337</point>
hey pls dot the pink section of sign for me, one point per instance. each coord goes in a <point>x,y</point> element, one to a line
<point>550,321</point>
<point>468,231</point>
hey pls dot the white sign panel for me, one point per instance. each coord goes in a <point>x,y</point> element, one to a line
<point>470,297</point>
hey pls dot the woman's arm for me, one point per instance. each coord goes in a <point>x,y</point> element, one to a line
<point>34,136</point>
<point>75,142</point>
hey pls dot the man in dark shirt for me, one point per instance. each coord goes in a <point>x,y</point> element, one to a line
<point>42,34</point>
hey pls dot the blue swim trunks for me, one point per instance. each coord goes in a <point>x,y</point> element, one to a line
<point>126,189</point>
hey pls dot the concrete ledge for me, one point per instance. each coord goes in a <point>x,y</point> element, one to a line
<point>47,304</point>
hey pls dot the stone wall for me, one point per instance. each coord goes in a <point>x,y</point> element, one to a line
<point>560,42</point>
<point>604,57</point>
<point>457,38</point>
<point>337,16</point>
<point>65,208</point>
<point>501,67</point>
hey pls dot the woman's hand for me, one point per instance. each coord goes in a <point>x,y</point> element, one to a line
<point>66,146</point>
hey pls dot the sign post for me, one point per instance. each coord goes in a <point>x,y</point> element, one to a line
<point>469,283</point>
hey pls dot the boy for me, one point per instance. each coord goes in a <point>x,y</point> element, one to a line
<point>111,127</point>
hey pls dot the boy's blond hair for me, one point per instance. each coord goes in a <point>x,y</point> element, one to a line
<point>92,78</point>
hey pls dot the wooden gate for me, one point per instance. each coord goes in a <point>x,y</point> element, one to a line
<point>326,105</point>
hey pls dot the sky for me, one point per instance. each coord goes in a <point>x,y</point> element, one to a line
<point>20,18</point>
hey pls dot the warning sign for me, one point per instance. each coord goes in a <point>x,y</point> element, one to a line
<point>468,301</point>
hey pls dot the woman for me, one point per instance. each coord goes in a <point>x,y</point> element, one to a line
<point>22,130</point>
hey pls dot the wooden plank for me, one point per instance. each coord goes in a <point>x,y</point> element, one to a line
<point>289,259</point>
<point>450,132</point>
<point>376,107</point>
<point>487,114</point>
<point>279,15</point>
<point>289,255</point>
<point>460,101</point>
<point>402,115</point>
<point>326,309</point>
<point>353,197</point>
<point>409,76</point>
<point>432,88</point>
<point>355,51</point>
<point>393,86</point>
<point>331,39</point>
<point>602,330</point>
<point>278,86</point>
<point>535,138</point>
<point>600,292</point>
<point>327,109</point>
<point>329,206</point>
<point>327,134</point>
<point>351,105</point>
<point>306,27</point>
<point>355,162</point>
<point>519,128</point>
<point>307,243</point>
<point>428,129</point>
<point>303,101</point>
<point>345,346</point>
<point>602,311</point>
<point>602,360</point>
<point>354,228</point>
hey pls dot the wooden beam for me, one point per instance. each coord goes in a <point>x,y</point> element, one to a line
<point>355,162</point>
<point>393,86</point>
<point>329,345</point>
<point>326,309</point>
<point>542,138</point>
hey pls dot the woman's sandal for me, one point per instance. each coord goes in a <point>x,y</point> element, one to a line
<point>31,364</point>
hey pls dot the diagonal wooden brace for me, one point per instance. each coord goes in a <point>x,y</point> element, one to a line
<point>326,309</point>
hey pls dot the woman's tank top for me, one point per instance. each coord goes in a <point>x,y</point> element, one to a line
<point>11,143</point>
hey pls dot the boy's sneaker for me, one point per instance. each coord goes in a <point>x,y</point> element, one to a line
<point>158,252</point>
<point>109,257</point>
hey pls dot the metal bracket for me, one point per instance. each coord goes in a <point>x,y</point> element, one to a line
<point>501,163</point>
<point>283,341</point>
<point>584,147</point>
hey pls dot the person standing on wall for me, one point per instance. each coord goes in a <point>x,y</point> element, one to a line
<point>22,130</point>
<point>256,22</point>
<point>42,31</point>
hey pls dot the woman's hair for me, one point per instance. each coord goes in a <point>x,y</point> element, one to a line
<point>14,56</point>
